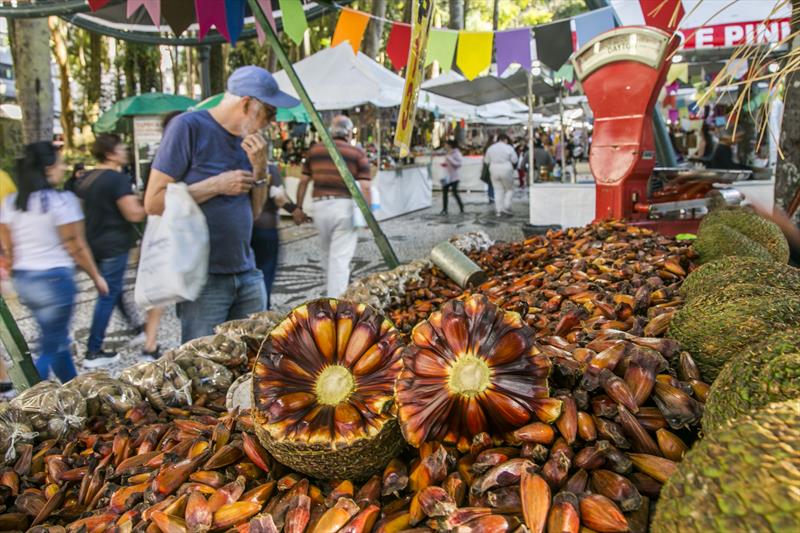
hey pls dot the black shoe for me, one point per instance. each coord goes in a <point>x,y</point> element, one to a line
<point>101,358</point>
<point>443,213</point>
<point>6,386</point>
<point>151,356</point>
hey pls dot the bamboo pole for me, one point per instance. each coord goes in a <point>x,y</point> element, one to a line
<point>22,372</point>
<point>389,257</point>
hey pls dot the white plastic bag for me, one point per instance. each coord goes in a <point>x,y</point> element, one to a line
<point>174,259</point>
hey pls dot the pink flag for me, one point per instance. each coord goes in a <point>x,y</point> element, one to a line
<point>94,5</point>
<point>153,8</point>
<point>211,13</point>
<point>266,6</point>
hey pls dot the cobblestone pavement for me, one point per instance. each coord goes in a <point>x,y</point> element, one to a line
<point>300,273</point>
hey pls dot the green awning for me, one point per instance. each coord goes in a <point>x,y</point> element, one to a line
<point>115,119</point>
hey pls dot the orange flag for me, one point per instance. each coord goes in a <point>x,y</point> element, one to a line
<point>351,27</point>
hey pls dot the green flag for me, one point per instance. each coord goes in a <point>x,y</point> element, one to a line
<point>441,48</point>
<point>294,19</point>
<point>565,73</point>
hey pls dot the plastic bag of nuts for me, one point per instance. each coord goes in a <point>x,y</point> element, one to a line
<point>104,394</point>
<point>221,349</point>
<point>15,430</point>
<point>207,376</point>
<point>162,382</point>
<point>54,411</point>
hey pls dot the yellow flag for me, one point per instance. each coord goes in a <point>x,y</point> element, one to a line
<point>678,71</point>
<point>474,52</point>
<point>421,20</point>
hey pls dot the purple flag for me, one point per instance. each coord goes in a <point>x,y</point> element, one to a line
<point>266,6</point>
<point>513,46</point>
<point>673,115</point>
<point>211,13</point>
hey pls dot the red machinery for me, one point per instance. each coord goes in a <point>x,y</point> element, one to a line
<point>622,72</point>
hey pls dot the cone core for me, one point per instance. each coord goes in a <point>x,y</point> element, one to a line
<point>469,376</point>
<point>334,385</point>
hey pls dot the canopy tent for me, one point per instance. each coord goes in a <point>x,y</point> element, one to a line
<point>490,89</point>
<point>142,104</point>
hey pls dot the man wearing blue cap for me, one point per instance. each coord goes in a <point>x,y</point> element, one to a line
<point>222,157</point>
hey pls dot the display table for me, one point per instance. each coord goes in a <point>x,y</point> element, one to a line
<point>401,190</point>
<point>573,204</point>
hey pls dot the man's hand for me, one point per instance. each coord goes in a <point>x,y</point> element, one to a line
<point>234,182</point>
<point>256,148</point>
<point>299,216</point>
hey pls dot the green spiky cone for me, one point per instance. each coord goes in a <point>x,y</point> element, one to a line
<point>744,478</point>
<point>718,326</point>
<point>768,373</point>
<point>718,241</point>
<point>716,275</point>
<point>753,226</point>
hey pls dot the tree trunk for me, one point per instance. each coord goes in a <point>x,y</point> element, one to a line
<point>787,175</point>
<point>95,77</point>
<point>190,79</point>
<point>129,66</point>
<point>59,44</point>
<point>495,14</point>
<point>372,46</point>
<point>217,67</point>
<point>456,14</point>
<point>34,83</point>
<point>464,14</point>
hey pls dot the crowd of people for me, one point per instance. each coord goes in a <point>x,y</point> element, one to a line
<point>49,228</point>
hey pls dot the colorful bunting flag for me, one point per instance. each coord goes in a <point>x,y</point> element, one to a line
<point>179,14</point>
<point>678,71</point>
<point>94,5</point>
<point>211,13</point>
<point>513,46</point>
<point>266,7</point>
<point>234,14</point>
<point>664,14</point>
<point>351,27</point>
<point>590,25</point>
<point>474,53</point>
<point>397,45</point>
<point>152,7</point>
<point>442,48</point>
<point>565,73</point>
<point>553,43</point>
<point>294,19</point>
<point>673,115</point>
<point>737,68</point>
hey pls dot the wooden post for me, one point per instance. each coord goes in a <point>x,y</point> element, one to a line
<point>389,257</point>
<point>22,372</point>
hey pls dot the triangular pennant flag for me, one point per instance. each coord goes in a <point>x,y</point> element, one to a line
<point>592,24</point>
<point>565,73</point>
<point>94,5</point>
<point>474,52</point>
<point>234,15</point>
<point>211,13</point>
<point>350,27</point>
<point>266,6</point>
<point>441,48</point>
<point>553,43</point>
<point>664,14</point>
<point>179,14</point>
<point>397,46</point>
<point>513,46</point>
<point>737,68</point>
<point>294,19</point>
<point>153,8</point>
<point>678,71</point>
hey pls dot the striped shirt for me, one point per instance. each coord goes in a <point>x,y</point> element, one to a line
<point>327,180</point>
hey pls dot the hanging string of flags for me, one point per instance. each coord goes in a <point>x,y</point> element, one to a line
<point>551,44</point>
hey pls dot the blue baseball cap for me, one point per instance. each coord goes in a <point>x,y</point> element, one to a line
<point>258,83</point>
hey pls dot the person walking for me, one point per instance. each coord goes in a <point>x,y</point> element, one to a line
<point>502,158</point>
<point>452,164</point>
<point>333,204</point>
<point>111,207</point>
<point>222,157</point>
<point>265,240</point>
<point>41,231</point>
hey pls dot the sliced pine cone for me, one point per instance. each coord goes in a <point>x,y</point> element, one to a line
<point>471,368</point>
<point>323,389</point>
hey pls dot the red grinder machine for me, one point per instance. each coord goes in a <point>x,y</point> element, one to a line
<point>622,72</point>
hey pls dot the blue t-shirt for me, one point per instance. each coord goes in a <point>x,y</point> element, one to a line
<point>196,147</point>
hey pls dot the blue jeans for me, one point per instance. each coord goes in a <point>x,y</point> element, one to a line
<point>265,244</point>
<point>224,297</point>
<point>50,296</point>
<point>113,270</point>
